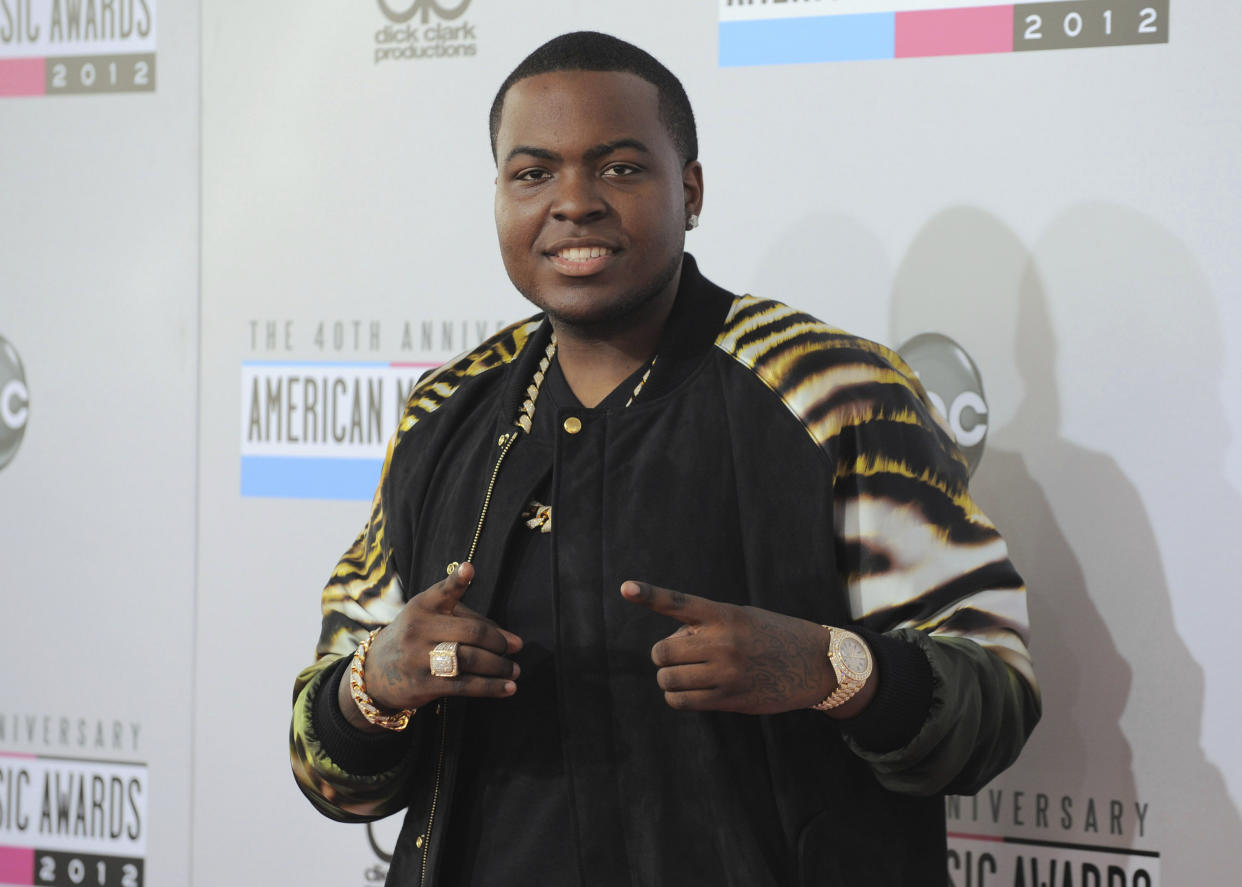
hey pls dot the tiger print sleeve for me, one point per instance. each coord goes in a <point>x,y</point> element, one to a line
<point>348,775</point>
<point>923,567</point>
<point>364,592</point>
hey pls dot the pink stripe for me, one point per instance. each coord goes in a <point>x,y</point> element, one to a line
<point>16,865</point>
<point>22,77</point>
<point>17,754</point>
<point>954,31</point>
<point>968,837</point>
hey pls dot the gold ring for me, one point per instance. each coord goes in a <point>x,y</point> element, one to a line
<point>444,659</point>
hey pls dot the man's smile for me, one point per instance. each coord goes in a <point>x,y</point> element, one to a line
<point>581,260</point>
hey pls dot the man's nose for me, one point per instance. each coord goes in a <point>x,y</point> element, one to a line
<point>578,199</point>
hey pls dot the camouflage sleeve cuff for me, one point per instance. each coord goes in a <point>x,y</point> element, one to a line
<point>336,790</point>
<point>980,715</point>
<point>902,700</point>
<point>356,751</point>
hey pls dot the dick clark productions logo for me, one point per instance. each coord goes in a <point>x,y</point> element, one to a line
<point>14,402</point>
<point>426,7</point>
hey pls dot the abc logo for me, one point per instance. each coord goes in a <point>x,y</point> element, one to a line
<point>14,402</point>
<point>425,6</point>
<point>955,388</point>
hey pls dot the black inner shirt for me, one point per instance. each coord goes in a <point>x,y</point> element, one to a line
<point>511,820</point>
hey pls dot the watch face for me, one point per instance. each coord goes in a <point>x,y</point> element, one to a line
<point>854,655</point>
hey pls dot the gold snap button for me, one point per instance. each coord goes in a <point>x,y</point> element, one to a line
<point>573,425</point>
<point>418,842</point>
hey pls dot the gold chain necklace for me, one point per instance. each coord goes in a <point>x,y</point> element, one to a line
<point>525,421</point>
<point>526,416</point>
<point>536,515</point>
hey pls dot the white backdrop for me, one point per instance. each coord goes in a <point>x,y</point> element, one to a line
<point>1067,216</point>
<point>99,253</point>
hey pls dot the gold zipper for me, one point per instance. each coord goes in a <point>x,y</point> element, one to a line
<point>505,442</point>
<point>435,793</point>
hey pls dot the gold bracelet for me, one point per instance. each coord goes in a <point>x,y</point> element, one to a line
<point>389,720</point>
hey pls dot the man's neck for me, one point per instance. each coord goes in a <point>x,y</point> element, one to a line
<point>596,361</point>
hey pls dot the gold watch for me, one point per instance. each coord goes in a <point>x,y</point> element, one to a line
<point>851,662</point>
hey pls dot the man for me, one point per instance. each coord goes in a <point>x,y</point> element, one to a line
<point>610,566</point>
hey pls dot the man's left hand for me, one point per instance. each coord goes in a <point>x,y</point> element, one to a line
<point>730,658</point>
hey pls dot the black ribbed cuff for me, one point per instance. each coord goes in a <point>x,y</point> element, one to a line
<point>903,699</point>
<point>360,752</point>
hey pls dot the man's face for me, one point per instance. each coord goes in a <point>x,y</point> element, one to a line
<point>591,196</point>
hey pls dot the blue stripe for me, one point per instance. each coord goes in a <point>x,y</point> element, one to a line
<point>825,38</point>
<point>277,477</point>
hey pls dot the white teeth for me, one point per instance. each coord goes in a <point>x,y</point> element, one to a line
<point>582,253</point>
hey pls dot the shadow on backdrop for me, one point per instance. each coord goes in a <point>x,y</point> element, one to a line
<point>1123,696</point>
<point>849,286</point>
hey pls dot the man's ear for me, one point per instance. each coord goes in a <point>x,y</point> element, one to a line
<point>692,185</point>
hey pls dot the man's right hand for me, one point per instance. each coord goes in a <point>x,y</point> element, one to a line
<point>397,672</point>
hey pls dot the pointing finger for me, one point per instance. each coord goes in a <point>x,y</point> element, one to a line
<point>687,608</point>
<point>445,595</point>
<point>445,598</point>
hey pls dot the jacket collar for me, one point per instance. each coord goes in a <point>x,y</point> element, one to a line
<point>699,312</point>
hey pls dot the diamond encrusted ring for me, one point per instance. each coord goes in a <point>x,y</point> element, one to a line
<point>444,659</point>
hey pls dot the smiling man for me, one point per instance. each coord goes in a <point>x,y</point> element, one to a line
<point>592,231</point>
<point>664,585</point>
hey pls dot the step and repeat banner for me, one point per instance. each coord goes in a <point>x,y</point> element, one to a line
<point>217,286</point>
<point>99,253</point>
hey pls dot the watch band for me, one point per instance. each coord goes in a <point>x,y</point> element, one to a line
<point>851,663</point>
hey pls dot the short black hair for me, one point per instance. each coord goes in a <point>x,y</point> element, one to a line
<point>593,51</point>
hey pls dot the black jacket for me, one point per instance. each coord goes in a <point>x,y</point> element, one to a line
<point>771,461</point>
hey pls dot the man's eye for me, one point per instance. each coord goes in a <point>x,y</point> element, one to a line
<point>621,170</point>
<point>532,175</point>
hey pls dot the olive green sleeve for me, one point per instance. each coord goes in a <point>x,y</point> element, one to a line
<point>336,792</point>
<point>981,712</point>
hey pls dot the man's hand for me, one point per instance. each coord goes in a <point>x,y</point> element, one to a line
<point>398,667</point>
<point>730,658</point>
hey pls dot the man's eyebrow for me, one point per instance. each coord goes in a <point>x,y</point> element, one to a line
<point>532,151</point>
<point>593,153</point>
<point>616,145</point>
